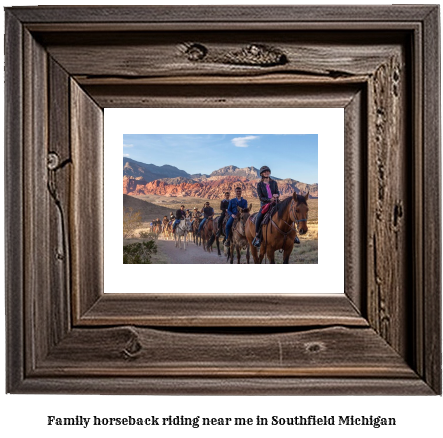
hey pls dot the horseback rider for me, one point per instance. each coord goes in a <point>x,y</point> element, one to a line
<point>180,214</point>
<point>208,211</point>
<point>165,222</point>
<point>223,207</point>
<point>267,192</point>
<point>238,201</point>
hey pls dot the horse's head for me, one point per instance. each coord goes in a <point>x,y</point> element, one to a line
<point>244,213</point>
<point>188,224</point>
<point>299,212</point>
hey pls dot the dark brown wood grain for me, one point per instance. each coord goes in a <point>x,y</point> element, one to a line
<point>86,208</point>
<point>205,310</point>
<point>14,238</point>
<point>64,65</point>
<point>59,168</point>
<point>129,351</point>
<point>167,385</point>
<point>222,14</point>
<point>37,307</point>
<point>388,203</point>
<point>164,54</point>
<point>430,319</point>
<point>355,185</point>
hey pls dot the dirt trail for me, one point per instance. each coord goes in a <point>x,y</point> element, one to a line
<point>192,255</point>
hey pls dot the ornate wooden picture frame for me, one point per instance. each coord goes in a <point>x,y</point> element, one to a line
<point>65,64</point>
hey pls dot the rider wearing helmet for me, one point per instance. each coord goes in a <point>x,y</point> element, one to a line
<point>267,192</point>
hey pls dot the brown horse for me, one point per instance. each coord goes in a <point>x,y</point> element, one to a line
<point>207,232</point>
<point>157,228</point>
<point>213,227</point>
<point>239,240</point>
<point>167,230</point>
<point>210,229</point>
<point>280,232</point>
<point>195,226</point>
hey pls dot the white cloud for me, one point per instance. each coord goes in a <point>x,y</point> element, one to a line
<point>128,145</point>
<point>242,142</point>
<point>126,155</point>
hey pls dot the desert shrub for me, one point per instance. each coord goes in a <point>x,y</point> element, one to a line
<point>148,235</point>
<point>131,221</point>
<point>139,253</point>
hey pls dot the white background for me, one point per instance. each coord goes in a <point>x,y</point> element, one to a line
<point>328,123</point>
<point>25,415</point>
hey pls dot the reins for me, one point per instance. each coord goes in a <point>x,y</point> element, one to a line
<point>295,220</point>
<point>244,228</point>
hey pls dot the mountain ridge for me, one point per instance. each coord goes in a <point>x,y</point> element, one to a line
<point>175,182</point>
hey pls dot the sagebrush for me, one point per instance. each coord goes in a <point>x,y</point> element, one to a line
<point>139,253</point>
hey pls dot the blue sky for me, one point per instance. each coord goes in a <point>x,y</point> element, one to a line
<point>289,156</point>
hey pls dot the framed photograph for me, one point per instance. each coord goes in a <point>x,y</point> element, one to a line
<point>376,331</point>
<point>166,208</point>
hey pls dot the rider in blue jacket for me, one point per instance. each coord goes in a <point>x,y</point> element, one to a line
<point>232,212</point>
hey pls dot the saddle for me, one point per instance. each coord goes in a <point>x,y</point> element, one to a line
<point>223,227</point>
<point>268,213</point>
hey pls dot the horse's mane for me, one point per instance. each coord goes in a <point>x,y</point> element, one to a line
<point>281,207</point>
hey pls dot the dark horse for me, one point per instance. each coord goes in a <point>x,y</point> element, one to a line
<point>238,240</point>
<point>195,225</point>
<point>208,232</point>
<point>280,232</point>
<point>212,230</point>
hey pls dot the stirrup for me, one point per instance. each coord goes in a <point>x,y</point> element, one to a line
<point>226,243</point>
<point>297,240</point>
<point>256,242</point>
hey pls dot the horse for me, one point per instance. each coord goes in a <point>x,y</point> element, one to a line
<point>213,229</point>
<point>157,228</point>
<point>208,233</point>
<point>195,226</point>
<point>280,233</point>
<point>182,229</point>
<point>167,229</point>
<point>238,239</point>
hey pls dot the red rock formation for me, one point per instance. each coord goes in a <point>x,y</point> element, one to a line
<point>212,188</point>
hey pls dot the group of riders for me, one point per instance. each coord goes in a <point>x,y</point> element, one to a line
<point>267,191</point>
